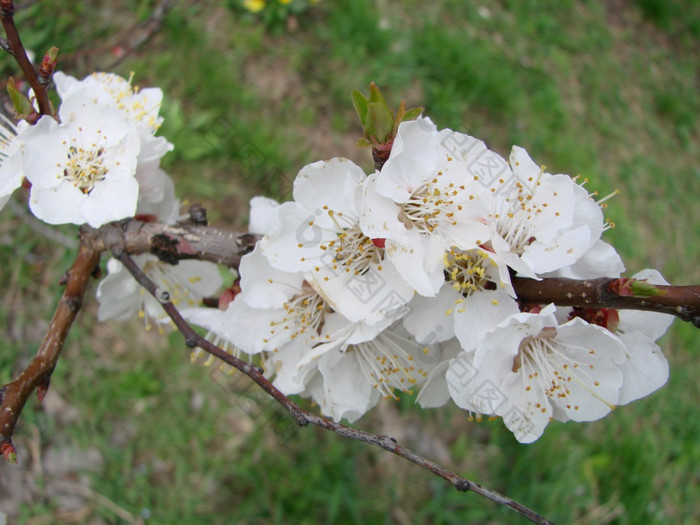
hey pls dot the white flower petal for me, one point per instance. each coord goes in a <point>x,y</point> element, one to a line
<point>479,313</point>
<point>415,156</point>
<point>645,368</point>
<point>371,296</point>
<point>380,215</point>
<point>430,318</point>
<point>264,286</point>
<point>600,260</point>
<point>111,200</point>
<point>345,392</point>
<point>255,329</point>
<point>419,262</point>
<point>329,183</point>
<point>58,205</point>
<point>263,215</point>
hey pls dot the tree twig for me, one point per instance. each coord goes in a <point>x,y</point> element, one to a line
<point>171,242</point>
<point>303,417</point>
<point>37,374</point>
<point>681,301</point>
<point>7,10</point>
<point>149,28</point>
<point>186,241</point>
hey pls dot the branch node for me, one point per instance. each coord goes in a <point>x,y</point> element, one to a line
<point>191,340</point>
<point>301,420</point>
<point>246,242</point>
<point>198,215</point>
<point>463,485</point>
<point>74,304</point>
<point>163,296</point>
<point>43,387</point>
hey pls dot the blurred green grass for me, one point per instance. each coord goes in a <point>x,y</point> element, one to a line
<point>604,89</point>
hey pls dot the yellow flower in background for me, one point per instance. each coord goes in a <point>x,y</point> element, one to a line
<point>284,2</point>
<point>254,6</point>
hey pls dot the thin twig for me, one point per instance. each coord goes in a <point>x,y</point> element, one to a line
<point>303,417</point>
<point>20,54</point>
<point>37,374</point>
<point>149,28</point>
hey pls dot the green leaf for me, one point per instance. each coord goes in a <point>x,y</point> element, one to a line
<point>411,114</point>
<point>380,121</point>
<point>376,96</point>
<point>645,289</point>
<point>21,103</point>
<point>360,103</point>
<point>363,143</point>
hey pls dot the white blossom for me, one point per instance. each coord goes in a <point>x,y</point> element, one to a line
<point>348,375</point>
<point>422,203</point>
<point>645,368</point>
<point>187,282</point>
<point>82,170</point>
<point>138,106</point>
<point>319,234</point>
<point>475,298</point>
<point>530,370</point>
<point>542,222</point>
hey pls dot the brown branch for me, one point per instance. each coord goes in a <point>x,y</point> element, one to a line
<point>303,417</point>
<point>171,242</point>
<point>681,301</point>
<point>191,241</point>
<point>17,49</point>
<point>38,373</point>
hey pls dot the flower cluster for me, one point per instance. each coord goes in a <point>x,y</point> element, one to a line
<point>97,161</point>
<point>364,286</point>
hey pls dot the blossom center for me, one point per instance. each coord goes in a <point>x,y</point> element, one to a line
<point>516,212</point>
<point>304,313</point>
<point>351,250</point>
<point>85,167</point>
<point>466,271</point>
<point>429,205</point>
<point>386,362</point>
<point>545,366</point>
